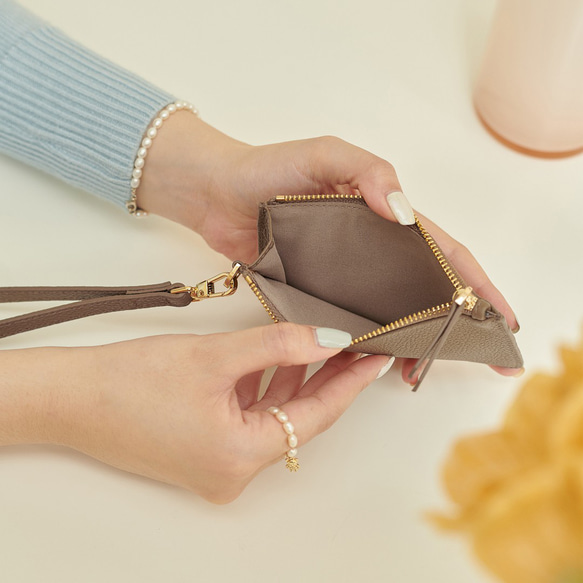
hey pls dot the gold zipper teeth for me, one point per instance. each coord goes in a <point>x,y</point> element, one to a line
<point>405,321</point>
<point>260,297</point>
<point>309,197</point>
<point>440,257</point>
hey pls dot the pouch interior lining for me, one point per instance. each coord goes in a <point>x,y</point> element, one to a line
<point>346,255</point>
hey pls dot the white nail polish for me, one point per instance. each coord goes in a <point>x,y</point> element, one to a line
<point>331,338</point>
<point>401,208</point>
<point>386,368</point>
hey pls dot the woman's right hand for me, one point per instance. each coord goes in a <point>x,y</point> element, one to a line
<point>183,409</point>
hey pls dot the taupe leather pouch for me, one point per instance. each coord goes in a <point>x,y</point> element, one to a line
<point>330,261</point>
<point>326,260</point>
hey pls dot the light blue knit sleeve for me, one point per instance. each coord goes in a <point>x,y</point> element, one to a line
<point>68,111</point>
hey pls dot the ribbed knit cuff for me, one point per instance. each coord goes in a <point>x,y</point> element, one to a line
<point>72,113</point>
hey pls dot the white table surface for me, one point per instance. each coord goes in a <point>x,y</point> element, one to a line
<point>395,78</point>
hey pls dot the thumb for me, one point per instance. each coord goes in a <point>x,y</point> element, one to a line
<point>337,162</point>
<point>380,187</point>
<point>281,344</point>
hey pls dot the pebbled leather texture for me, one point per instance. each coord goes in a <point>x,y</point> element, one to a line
<point>86,301</point>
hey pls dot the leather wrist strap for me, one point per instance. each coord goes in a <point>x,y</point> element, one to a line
<point>86,301</point>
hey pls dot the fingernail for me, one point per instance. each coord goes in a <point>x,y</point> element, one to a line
<point>332,338</point>
<point>386,368</point>
<point>516,328</point>
<point>519,372</point>
<point>401,208</point>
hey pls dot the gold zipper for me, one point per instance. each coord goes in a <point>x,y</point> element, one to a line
<point>312,197</point>
<point>260,297</point>
<point>434,312</point>
<point>406,321</point>
<point>449,271</point>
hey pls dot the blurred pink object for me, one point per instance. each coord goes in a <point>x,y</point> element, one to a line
<point>530,88</point>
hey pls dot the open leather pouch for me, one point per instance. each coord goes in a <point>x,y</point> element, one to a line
<point>328,260</point>
<point>325,260</point>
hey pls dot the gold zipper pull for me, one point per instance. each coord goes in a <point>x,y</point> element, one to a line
<point>465,297</point>
<point>459,300</point>
<point>207,289</point>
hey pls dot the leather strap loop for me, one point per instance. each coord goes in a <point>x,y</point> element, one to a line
<point>86,301</point>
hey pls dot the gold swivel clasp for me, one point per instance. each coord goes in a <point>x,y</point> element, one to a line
<point>207,288</point>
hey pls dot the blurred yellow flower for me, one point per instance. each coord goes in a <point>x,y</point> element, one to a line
<point>518,491</point>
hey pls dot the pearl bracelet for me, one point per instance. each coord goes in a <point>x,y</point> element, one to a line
<point>291,461</point>
<point>151,133</point>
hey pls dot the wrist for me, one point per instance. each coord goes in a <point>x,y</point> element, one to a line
<point>185,169</point>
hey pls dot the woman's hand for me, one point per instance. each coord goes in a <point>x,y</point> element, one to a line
<point>201,178</point>
<point>183,409</point>
<point>211,183</point>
